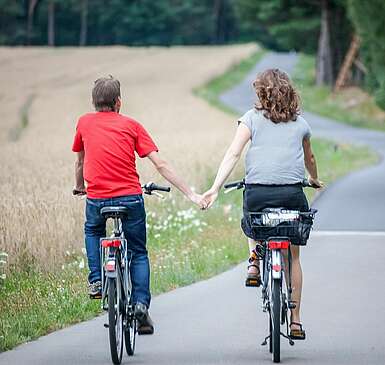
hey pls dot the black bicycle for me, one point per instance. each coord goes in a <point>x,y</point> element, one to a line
<point>277,229</point>
<point>116,282</point>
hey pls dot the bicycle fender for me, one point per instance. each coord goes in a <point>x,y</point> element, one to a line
<point>276,267</point>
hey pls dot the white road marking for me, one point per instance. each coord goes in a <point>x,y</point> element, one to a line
<point>348,233</point>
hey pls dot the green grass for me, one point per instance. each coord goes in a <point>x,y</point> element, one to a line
<point>185,245</point>
<point>351,106</point>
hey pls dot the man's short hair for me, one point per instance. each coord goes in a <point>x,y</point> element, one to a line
<point>105,93</point>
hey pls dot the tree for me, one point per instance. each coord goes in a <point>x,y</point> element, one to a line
<point>31,11</point>
<point>83,23</point>
<point>51,23</point>
<point>368,18</point>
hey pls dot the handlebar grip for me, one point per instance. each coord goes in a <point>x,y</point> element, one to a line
<point>167,189</point>
<point>78,192</point>
<point>306,184</point>
<point>234,184</point>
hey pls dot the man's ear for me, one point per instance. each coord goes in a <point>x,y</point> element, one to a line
<point>118,104</point>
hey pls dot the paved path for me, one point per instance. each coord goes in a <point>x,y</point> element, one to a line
<point>356,202</point>
<point>218,321</point>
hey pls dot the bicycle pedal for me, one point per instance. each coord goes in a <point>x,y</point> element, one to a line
<point>96,296</point>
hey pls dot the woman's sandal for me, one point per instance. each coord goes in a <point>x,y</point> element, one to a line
<point>297,334</point>
<point>253,279</point>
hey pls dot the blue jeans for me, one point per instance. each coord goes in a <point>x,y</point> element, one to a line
<point>134,227</point>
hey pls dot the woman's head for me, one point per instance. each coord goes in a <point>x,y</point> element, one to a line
<point>276,96</point>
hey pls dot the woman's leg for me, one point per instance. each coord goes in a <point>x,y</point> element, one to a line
<point>252,269</point>
<point>296,280</point>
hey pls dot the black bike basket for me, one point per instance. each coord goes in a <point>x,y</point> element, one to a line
<point>297,229</point>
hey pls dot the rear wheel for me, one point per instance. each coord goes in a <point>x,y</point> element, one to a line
<point>115,320</point>
<point>275,320</point>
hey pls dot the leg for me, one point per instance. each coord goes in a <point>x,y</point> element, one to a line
<point>94,229</point>
<point>134,227</point>
<point>252,269</point>
<point>297,284</point>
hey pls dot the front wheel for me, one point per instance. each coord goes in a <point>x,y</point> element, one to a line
<point>276,320</point>
<point>115,320</point>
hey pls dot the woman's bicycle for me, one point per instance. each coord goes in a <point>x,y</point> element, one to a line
<point>277,229</point>
<point>116,281</point>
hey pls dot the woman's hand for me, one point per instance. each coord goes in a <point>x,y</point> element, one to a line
<point>209,197</point>
<point>315,182</point>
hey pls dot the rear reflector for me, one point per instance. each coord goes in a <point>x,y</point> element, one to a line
<point>275,245</point>
<point>277,268</point>
<point>110,265</point>
<point>111,243</point>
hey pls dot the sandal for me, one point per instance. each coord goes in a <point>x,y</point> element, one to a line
<point>253,279</point>
<point>297,334</point>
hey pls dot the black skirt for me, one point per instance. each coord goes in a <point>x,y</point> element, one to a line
<point>257,197</point>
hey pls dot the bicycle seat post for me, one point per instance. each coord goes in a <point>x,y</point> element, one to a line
<point>117,226</point>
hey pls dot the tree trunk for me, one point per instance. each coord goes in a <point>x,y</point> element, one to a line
<point>218,14</point>
<point>51,23</point>
<point>324,57</point>
<point>83,23</point>
<point>31,9</point>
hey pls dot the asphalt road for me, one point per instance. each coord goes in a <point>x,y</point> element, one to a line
<point>219,321</point>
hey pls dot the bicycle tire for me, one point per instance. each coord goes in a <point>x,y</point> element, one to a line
<point>271,335</point>
<point>130,337</point>
<point>276,320</point>
<point>115,321</point>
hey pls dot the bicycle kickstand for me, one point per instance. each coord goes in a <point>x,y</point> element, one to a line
<point>264,343</point>
<point>291,342</point>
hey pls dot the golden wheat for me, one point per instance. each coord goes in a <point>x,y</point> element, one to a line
<point>50,88</point>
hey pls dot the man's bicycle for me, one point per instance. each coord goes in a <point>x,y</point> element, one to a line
<point>116,281</point>
<point>277,229</point>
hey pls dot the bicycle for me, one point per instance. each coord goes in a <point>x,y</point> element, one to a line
<point>116,281</point>
<point>279,227</point>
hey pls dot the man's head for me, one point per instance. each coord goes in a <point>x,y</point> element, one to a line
<point>106,94</point>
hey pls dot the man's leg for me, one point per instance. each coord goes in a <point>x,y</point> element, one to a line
<point>94,228</point>
<point>134,227</point>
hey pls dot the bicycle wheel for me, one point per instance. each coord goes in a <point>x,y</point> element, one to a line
<point>130,336</point>
<point>276,320</point>
<point>115,320</point>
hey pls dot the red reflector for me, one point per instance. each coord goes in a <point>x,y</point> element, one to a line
<point>110,265</point>
<point>277,268</point>
<point>275,245</point>
<point>111,243</point>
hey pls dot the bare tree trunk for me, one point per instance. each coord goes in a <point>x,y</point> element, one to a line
<point>51,23</point>
<point>31,10</point>
<point>324,74</point>
<point>217,10</point>
<point>83,23</point>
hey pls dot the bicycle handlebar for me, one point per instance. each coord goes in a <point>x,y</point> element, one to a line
<point>150,187</point>
<point>241,184</point>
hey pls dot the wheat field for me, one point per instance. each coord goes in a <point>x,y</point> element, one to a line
<point>46,90</point>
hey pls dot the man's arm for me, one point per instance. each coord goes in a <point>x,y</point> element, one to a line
<point>165,169</point>
<point>79,179</point>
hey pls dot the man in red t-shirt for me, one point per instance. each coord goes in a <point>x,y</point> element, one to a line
<point>105,143</point>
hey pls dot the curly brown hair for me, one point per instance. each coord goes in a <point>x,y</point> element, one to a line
<point>276,96</point>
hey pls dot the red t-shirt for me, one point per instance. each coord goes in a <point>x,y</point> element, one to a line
<point>110,141</point>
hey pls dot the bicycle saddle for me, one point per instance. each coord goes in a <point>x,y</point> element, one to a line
<point>111,212</point>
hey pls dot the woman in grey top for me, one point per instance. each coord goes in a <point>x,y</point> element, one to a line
<point>278,153</point>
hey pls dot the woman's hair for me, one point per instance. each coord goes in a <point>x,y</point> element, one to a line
<point>277,97</point>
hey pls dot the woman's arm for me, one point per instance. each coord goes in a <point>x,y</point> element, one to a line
<point>229,161</point>
<point>310,163</point>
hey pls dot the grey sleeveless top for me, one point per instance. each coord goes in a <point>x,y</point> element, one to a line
<point>275,155</point>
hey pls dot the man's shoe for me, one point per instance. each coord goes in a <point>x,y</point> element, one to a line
<point>95,290</point>
<point>145,324</point>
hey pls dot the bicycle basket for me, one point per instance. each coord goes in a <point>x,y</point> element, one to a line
<point>283,223</point>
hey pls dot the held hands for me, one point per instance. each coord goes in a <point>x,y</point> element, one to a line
<point>198,200</point>
<point>209,197</point>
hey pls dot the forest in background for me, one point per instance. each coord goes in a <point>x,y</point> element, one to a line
<point>324,28</point>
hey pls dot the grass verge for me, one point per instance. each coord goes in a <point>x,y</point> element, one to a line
<point>351,105</point>
<point>185,245</point>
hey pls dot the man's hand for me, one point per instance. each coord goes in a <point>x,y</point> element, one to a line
<point>209,197</point>
<point>199,200</point>
<point>316,183</point>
